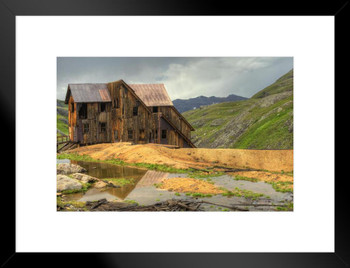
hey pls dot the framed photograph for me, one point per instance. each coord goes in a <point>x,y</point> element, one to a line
<point>169,135</point>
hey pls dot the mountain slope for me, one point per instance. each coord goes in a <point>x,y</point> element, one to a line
<point>193,103</point>
<point>62,117</point>
<point>264,121</point>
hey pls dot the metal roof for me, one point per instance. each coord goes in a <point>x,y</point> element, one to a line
<point>89,92</point>
<point>152,94</point>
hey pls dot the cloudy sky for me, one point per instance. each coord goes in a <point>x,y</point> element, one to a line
<point>183,77</point>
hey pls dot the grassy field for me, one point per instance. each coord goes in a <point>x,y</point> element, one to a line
<point>62,110</point>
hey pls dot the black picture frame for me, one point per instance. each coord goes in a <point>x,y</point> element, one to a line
<point>9,9</point>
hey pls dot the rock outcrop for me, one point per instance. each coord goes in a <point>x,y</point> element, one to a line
<point>84,178</point>
<point>67,168</point>
<point>66,183</point>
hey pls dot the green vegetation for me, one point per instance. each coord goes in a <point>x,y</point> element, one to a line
<point>177,194</point>
<point>61,125</point>
<point>264,121</point>
<point>67,204</point>
<point>131,202</point>
<point>242,178</point>
<point>195,195</point>
<point>289,207</point>
<point>242,193</point>
<point>157,185</point>
<point>282,186</point>
<point>205,174</point>
<point>85,187</point>
<point>62,117</point>
<point>120,181</point>
<point>273,130</point>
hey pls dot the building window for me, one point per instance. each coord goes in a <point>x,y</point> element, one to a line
<point>102,107</point>
<point>72,107</point>
<point>116,103</point>
<point>163,133</point>
<point>155,109</point>
<point>142,135</point>
<point>135,111</point>
<point>130,135</point>
<point>102,127</point>
<point>83,111</point>
<point>86,128</point>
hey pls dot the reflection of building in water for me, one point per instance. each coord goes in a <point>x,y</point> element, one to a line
<point>151,178</point>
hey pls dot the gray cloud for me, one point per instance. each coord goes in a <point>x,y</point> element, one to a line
<point>183,77</point>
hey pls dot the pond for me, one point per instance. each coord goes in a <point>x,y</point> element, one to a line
<point>144,192</point>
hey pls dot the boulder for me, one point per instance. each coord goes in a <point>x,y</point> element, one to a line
<point>67,168</point>
<point>84,178</point>
<point>66,183</point>
<point>100,184</point>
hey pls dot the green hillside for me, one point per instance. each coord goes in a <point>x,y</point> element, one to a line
<point>264,121</point>
<point>62,117</point>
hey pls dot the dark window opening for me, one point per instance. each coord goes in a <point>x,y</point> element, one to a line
<point>155,109</point>
<point>150,137</point>
<point>135,111</point>
<point>86,128</point>
<point>115,135</point>
<point>72,107</point>
<point>102,127</point>
<point>130,135</point>
<point>163,133</point>
<point>102,107</point>
<point>156,135</point>
<point>83,111</point>
<point>142,135</point>
<point>116,103</point>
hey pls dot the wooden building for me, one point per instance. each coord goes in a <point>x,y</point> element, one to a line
<point>116,112</point>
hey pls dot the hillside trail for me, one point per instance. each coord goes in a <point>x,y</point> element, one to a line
<point>198,158</point>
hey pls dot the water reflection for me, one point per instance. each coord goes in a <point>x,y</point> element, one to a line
<point>144,192</point>
<point>152,177</point>
<point>104,170</point>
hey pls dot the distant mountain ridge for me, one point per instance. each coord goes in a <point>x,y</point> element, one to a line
<point>193,103</point>
<point>265,121</point>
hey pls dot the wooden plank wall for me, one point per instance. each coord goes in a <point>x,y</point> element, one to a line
<point>119,118</point>
<point>94,118</point>
<point>123,118</point>
<point>172,116</point>
<point>72,118</point>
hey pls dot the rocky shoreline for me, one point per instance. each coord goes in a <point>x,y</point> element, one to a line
<point>71,177</point>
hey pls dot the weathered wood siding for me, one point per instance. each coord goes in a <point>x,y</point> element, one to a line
<point>120,122</point>
<point>72,119</point>
<point>172,116</point>
<point>172,135</point>
<point>95,117</point>
<point>123,119</point>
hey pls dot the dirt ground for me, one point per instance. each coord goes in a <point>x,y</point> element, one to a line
<point>189,185</point>
<point>273,160</point>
